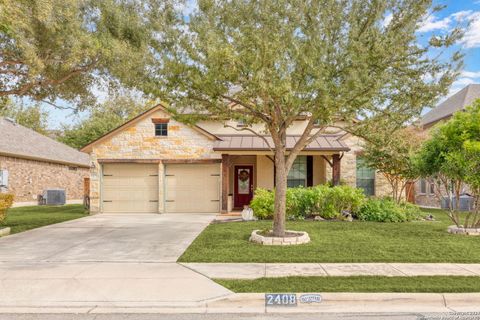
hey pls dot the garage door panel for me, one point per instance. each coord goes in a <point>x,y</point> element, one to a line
<point>130,187</point>
<point>192,188</point>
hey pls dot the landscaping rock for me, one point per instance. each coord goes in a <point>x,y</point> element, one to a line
<point>466,231</point>
<point>299,237</point>
<point>4,231</point>
<point>318,218</point>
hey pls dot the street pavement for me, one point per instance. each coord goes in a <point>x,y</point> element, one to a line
<point>308,316</point>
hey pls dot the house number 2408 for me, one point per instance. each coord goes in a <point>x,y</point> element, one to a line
<point>281,299</point>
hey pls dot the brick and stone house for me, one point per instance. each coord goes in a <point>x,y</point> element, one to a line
<point>425,190</point>
<point>31,163</point>
<point>154,163</point>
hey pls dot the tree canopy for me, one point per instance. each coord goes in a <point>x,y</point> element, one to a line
<point>32,117</point>
<point>64,49</point>
<point>101,119</point>
<point>390,152</point>
<point>332,62</point>
<point>450,158</point>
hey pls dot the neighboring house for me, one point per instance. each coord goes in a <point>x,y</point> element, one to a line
<point>425,190</point>
<point>156,164</point>
<point>31,163</point>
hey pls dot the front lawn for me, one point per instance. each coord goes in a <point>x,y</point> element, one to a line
<point>356,284</point>
<point>421,241</point>
<point>26,218</point>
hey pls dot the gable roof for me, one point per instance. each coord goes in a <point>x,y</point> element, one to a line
<point>18,141</point>
<point>255,143</point>
<point>456,102</point>
<point>141,116</point>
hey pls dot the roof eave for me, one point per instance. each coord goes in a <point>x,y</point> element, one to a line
<point>27,157</point>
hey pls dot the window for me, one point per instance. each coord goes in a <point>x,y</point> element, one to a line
<point>365,177</point>
<point>297,176</point>
<point>241,123</point>
<point>432,188</point>
<point>423,186</point>
<point>161,129</point>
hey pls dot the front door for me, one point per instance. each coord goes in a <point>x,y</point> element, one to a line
<point>243,186</point>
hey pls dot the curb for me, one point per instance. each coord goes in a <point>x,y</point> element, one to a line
<point>255,303</point>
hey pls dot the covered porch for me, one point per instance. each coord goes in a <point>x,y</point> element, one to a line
<point>248,163</point>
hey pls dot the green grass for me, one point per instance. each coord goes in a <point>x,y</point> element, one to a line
<point>26,218</point>
<point>442,284</point>
<point>421,241</point>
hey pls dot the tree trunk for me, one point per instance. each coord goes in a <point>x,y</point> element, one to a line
<point>280,195</point>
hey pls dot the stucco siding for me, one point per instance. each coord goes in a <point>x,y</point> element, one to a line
<point>265,172</point>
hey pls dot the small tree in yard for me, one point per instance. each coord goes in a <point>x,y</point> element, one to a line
<point>390,152</point>
<point>333,62</point>
<point>6,201</point>
<point>450,159</point>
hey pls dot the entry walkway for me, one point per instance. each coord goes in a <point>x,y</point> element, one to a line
<point>272,270</point>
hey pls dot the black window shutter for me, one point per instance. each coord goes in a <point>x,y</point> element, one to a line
<point>309,171</point>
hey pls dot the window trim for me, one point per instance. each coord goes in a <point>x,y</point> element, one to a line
<point>162,130</point>
<point>306,182</point>
<point>423,187</point>
<point>373,179</point>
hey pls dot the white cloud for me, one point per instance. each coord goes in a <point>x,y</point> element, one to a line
<point>471,38</point>
<point>470,74</point>
<point>463,82</point>
<point>431,23</point>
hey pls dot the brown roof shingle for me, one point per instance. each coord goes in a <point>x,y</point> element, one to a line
<point>21,142</point>
<point>455,103</point>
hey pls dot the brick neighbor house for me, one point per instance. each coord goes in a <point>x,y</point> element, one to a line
<point>156,164</point>
<point>424,190</point>
<point>34,163</point>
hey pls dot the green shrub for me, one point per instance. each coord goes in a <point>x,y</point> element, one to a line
<point>6,201</point>
<point>328,202</point>
<point>387,210</point>
<point>262,203</point>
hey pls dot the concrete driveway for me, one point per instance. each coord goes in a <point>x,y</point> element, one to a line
<point>124,260</point>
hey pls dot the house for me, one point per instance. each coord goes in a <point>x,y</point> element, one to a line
<point>153,163</point>
<point>424,189</point>
<point>31,163</point>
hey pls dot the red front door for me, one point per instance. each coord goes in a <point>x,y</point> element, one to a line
<point>243,186</point>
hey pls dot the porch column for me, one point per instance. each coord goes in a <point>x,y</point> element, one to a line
<point>336,169</point>
<point>225,176</point>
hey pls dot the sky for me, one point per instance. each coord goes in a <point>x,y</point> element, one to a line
<point>456,12</point>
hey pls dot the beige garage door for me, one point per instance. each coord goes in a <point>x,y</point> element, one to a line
<point>130,188</point>
<point>192,188</point>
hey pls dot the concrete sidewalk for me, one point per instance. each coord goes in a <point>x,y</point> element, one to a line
<point>272,270</point>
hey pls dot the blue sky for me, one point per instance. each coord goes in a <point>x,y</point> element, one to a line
<point>456,12</point>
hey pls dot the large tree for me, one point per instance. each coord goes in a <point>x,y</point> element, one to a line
<point>334,62</point>
<point>64,49</point>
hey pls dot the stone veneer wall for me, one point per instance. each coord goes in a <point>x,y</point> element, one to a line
<point>29,178</point>
<point>348,168</point>
<point>139,142</point>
